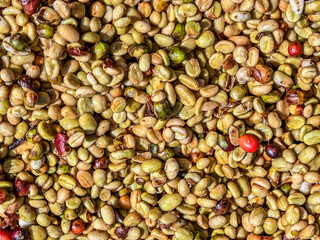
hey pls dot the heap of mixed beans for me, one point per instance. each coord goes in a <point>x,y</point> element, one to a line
<point>158,120</point>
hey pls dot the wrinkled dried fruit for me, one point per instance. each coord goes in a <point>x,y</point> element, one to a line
<point>228,63</point>
<point>16,143</point>
<point>262,73</point>
<point>30,6</point>
<point>108,63</point>
<point>27,82</point>
<point>77,226</point>
<point>251,207</point>
<point>148,72</point>
<point>22,188</point>
<point>225,144</point>
<point>78,51</point>
<point>121,232</point>
<point>100,163</point>
<point>3,195</point>
<point>299,110</point>
<point>10,221</point>
<point>19,234</point>
<point>150,111</point>
<point>222,206</point>
<point>294,97</point>
<point>61,143</point>
<point>164,226</point>
<point>272,150</point>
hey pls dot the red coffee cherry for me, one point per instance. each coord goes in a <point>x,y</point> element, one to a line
<point>295,49</point>
<point>5,234</point>
<point>77,226</point>
<point>249,143</point>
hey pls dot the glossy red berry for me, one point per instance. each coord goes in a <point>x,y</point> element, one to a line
<point>295,49</point>
<point>249,143</point>
<point>5,234</point>
<point>77,226</point>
